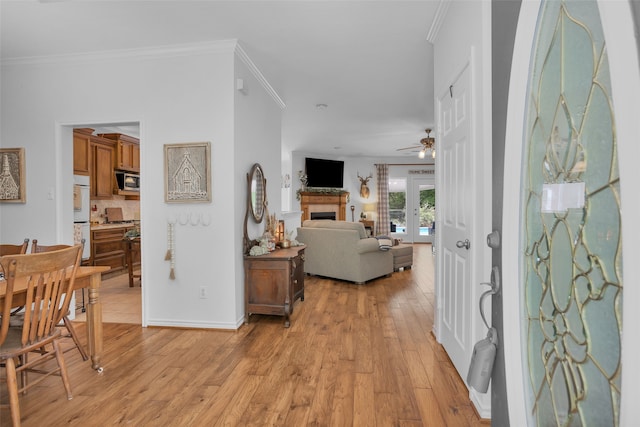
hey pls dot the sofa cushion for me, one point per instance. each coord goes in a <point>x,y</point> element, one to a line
<point>339,225</point>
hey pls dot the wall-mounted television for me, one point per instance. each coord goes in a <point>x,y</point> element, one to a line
<point>322,173</point>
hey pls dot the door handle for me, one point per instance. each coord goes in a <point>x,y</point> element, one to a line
<point>466,244</point>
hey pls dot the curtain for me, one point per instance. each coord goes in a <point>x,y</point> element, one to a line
<point>382,225</point>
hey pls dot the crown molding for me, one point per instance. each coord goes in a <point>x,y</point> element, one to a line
<point>441,13</point>
<point>175,50</point>
<point>242,55</point>
<point>166,51</point>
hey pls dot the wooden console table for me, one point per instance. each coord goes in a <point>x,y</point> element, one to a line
<point>369,225</point>
<point>273,282</point>
<point>328,202</point>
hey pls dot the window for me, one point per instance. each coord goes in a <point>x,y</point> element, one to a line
<point>398,204</point>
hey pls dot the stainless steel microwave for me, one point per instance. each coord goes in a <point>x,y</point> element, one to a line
<point>128,181</point>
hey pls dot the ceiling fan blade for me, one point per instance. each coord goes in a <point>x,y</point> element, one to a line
<point>415,147</point>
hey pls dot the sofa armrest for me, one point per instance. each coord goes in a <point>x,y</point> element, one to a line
<point>367,245</point>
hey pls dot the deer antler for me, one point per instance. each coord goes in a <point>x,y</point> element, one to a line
<point>364,180</point>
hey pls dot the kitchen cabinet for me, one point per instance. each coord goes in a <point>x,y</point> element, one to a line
<point>127,151</point>
<point>273,282</point>
<point>108,248</point>
<point>94,156</point>
<point>102,177</point>
<point>82,151</point>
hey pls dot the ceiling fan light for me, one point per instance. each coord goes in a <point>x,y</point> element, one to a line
<point>433,153</point>
<point>421,154</point>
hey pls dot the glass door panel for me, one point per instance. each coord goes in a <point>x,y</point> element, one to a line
<point>571,235</point>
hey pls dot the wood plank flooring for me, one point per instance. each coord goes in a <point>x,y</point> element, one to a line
<point>120,303</point>
<point>355,355</point>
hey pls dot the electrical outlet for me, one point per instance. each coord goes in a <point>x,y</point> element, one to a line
<point>203,292</point>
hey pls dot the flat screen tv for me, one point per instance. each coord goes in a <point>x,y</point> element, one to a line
<point>322,173</point>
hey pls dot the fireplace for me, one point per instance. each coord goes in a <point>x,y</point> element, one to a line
<point>323,215</point>
<point>315,203</point>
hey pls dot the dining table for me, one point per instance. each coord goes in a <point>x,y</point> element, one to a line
<point>89,277</point>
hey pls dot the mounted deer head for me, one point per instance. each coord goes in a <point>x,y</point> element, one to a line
<point>364,190</point>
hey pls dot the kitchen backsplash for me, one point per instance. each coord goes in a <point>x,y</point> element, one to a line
<point>130,209</point>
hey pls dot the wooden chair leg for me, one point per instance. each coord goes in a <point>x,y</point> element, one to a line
<point>22,360</point>
<point>63,369</point>
<point>12,385</point>
<point>74,336</point>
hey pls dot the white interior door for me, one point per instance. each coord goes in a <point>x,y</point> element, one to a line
<point>455,221</point>
<point>422,214</point>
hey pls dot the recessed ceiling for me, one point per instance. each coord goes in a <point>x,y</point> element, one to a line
<point>369,62</point>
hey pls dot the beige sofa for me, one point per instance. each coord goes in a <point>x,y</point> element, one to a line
<point>342,250</point>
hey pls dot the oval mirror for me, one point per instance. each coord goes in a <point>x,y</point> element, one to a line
<point>257,191</point>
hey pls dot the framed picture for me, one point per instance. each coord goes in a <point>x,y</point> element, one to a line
<point>187,172</point>
<point>13,187</point>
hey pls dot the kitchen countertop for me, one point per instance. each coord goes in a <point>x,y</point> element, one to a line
<point>104,226</point>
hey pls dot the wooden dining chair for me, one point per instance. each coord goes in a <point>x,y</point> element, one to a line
<point>36,248</point>
<point>7,249</point>
<point>44,283</point>
<point>71,330</point>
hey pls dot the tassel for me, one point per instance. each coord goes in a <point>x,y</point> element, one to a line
<point>172,275</point>
<point>167,256</point>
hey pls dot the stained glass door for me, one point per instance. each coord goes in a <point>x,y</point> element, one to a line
<point>571,233</point>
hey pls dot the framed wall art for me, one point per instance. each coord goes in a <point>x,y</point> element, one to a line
<point>13,187</point>
<point>187,172</point>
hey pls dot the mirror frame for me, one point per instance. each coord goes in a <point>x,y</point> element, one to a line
<point>255,179</point>
<point>258,216</point>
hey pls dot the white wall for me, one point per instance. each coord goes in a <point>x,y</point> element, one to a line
<point>257,140</point>
<point>180,94</point>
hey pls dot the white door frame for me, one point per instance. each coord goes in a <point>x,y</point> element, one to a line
<point>619,30</point>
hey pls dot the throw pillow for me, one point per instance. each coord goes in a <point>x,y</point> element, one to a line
<point>384,243</point>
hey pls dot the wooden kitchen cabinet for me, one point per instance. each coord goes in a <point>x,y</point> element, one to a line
<point>273,282</point>
<point>108,248</point>
<point>127,151</point>
<point>102,177</point>
<point>82,151</point>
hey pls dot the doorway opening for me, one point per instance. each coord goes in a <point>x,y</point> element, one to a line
<point>99,151</point>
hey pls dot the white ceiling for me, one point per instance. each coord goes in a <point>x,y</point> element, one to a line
<point>369,61</point>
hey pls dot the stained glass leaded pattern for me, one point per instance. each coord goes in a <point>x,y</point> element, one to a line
<point>572,259</point>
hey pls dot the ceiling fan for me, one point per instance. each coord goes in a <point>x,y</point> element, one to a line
<point>426,144</point>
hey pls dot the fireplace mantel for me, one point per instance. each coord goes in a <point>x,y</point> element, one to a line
<point>324,202</point>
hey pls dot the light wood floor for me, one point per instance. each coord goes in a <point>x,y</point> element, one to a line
<point>120,303</point>
<point>360,355</point>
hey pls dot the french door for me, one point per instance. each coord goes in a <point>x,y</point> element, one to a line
<point>423,210</point>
